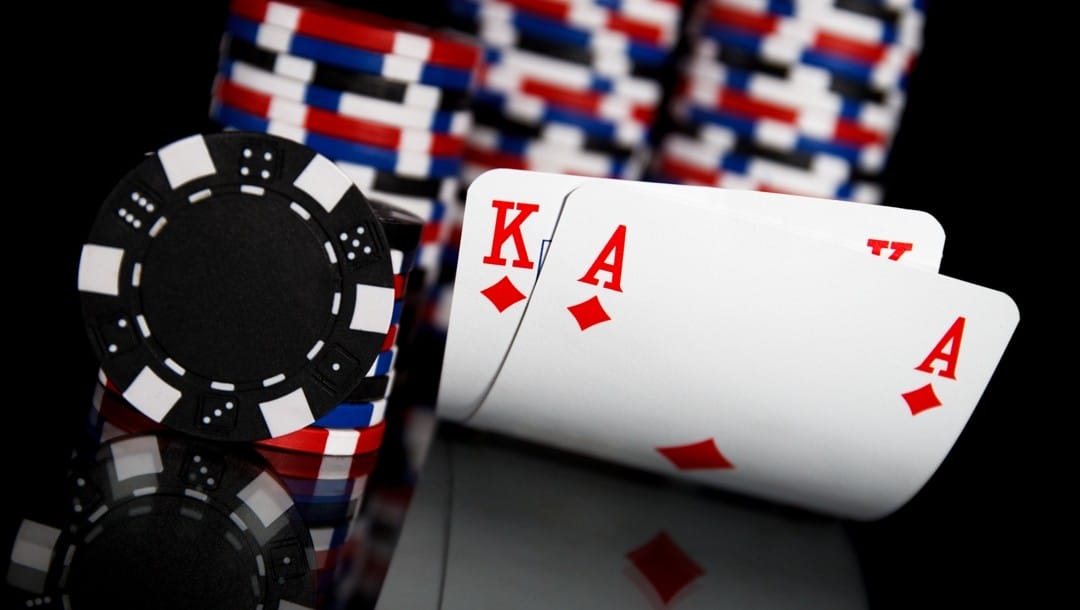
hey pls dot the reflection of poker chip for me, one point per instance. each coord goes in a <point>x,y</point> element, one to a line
<point>397,67</point>
<point>360,29</point>
<point>236,286</point>
<point>333,78</point>
<point>178,522</point>
<point>331,123</point>
<point>314,466</point>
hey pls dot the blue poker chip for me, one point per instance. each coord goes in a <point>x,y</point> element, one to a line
<point>628,133</point>
<point>410,164</point>
<point>390,66</point>
<point>353,415</point>
<point>531,24</point>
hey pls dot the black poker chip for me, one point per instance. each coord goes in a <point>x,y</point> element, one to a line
<point>162,522</point>
<point>236,286</point>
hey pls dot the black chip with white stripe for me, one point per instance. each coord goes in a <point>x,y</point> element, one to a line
<point>220,295</point>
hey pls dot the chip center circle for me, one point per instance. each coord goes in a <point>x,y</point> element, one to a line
<point>237,288</point>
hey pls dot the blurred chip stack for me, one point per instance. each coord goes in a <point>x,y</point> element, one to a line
<point>793,96</point>
<point>385,99</point>
<point>568,86</point>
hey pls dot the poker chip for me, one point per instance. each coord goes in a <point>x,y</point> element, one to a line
<point>533,24</point>
<point>755,174</point>
<point>783,136</point>
<point>411,164</point>
<point>334,78</point>
<point>330,123</point>
<point>536,111</point>
<point>330,441</point>
<point>611,107</point>
<point>178,521</point>
<point>490,147</point>
<point>817,124</point>
<point>342,102</point>
<point>387,101</point>
<point>777,90</point>
<point>654,27</point>
<point>317,466</point>
<point>397,67</point>
<point>566,86</point>
<point>528,66</point>
<point>570,136</point>
<point>902,26</point>
<point>362,29</point>
<point>207,244</point>
<point>354,415</point>
<point>800,97</point>
<point>371,179</point>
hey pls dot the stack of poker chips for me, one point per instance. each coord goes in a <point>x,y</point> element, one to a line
<point>568,86</point>
<point>385,99</point>
<point>793,96</point>
<point>326,491</point>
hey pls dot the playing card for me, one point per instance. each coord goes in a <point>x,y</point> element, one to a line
<point>510,216</point>
<point>699,345</point>
<point>541,532</point>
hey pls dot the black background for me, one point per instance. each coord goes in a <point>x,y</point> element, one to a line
<point>124,82</point>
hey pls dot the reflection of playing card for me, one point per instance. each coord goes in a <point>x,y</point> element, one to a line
<point>415,577</point>
<point>510,216</point>
<point>695,344</point>
<point>528,532</point>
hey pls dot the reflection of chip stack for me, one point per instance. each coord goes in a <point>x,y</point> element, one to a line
<point>568,86</point>
<point>327,492</point>
<point>385,99</point>
<point>796,96</point>
<point>169,521</point>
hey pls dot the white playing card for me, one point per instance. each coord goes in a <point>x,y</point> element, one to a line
<point>533,533</point>
<point>510,215</point>
<point>733,354</point>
